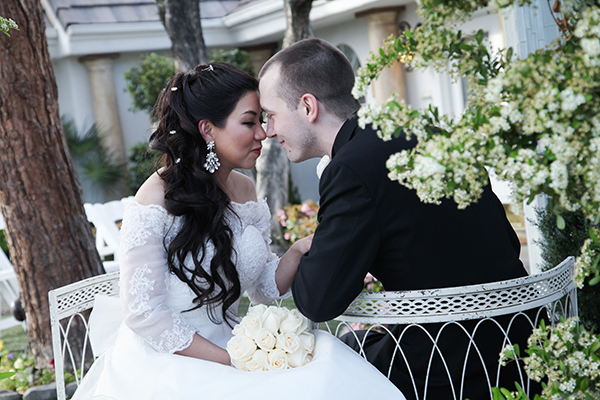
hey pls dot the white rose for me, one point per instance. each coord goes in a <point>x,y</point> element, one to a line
<point>282,312</point>
<point>240,364</point>
<point>241,348</point>
<point>265,339</point>
<point>299,358</point>
<point>238,330</point>
<point>278,360</point>
<point>288,342</point>
<point>295,322</point>
<point>271,320</point>
<point>307,340</point>
<point>257,310</point>
<point>258,362</point>
<point>251,325</point>
<point>307,359</point>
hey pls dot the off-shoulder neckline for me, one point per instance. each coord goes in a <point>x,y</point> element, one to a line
<point>249,202</point>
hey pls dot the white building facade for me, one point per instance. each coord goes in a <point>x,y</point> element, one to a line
<point>93,45</point>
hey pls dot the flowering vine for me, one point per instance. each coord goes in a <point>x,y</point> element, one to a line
<point>533,121</point>
<point>568,355</point>
<point>6,24</point>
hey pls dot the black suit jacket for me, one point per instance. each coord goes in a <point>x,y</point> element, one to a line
<point>368,223</point>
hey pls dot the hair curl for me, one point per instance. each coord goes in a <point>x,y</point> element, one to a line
<point>209,92</point>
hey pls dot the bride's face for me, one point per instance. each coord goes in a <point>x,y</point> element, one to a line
<point>238,143</point>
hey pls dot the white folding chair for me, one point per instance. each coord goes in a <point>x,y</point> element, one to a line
<point>106,217</point>
<point>9,286</point>
<point>552,293</point>
<point>68,306</point>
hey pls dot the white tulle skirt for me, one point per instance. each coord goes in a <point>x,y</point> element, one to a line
<point>130,369</point>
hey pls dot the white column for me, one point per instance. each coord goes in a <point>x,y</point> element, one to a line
<point>381,24</point>
<point>104,97</point>
<point>527,29</point>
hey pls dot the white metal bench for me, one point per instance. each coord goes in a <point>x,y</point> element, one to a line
<point>106,217</point>
<point>68,305</point>
<point>553,291</point>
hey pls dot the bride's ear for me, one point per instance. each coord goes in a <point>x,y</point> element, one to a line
<point>205,128</point>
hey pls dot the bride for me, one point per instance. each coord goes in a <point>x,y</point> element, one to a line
<point>193,240</point>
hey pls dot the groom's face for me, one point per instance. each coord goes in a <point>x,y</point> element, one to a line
<point>293,132</point>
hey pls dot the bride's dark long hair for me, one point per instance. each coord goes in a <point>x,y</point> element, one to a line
<point>209,92</point>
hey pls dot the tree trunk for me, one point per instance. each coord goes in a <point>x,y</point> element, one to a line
<point>272,182</point>
<point>182,22</point>
<point>49,237</point>
<point>273,167</point>
<point>297,14</point>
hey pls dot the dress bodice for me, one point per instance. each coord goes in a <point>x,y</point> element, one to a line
<point>155,301</point>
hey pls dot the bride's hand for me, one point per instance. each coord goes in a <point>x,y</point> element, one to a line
<point>288,264</point>
<point>303,245</point>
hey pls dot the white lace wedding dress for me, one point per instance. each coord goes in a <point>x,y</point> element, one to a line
<point>138,336</point>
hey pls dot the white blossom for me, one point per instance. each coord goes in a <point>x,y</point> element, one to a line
<point>570,100</point>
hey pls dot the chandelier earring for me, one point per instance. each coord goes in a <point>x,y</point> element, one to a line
<point>212,161</point>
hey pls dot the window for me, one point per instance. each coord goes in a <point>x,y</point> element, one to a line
<point>351,55</point>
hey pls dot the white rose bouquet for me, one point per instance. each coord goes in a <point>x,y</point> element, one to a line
<point>270,339</point>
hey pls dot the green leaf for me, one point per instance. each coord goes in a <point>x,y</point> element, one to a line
<point>479,36</point>
<point>530,200</point>
<point>509,53</point>
<point>596,261</point>
<point>595,280</point>
<point>517,350</point>
<point>562,366</point>
<point>4,375</point>
<point>593,235</point>
<point>560,222</point>
<point>584,385</point>
<point>497,394</point>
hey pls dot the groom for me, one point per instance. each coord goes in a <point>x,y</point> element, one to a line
<point>367,223</point>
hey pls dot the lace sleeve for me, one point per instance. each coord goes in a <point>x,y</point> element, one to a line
<point>144,272</point>
<point>265,288</point>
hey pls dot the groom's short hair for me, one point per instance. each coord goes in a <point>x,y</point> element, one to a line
<point>317,67</point>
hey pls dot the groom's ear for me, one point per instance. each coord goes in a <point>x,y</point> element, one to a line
<point>309,106</point>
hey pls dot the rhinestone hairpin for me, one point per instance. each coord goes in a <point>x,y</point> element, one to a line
<point>209,68</point>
